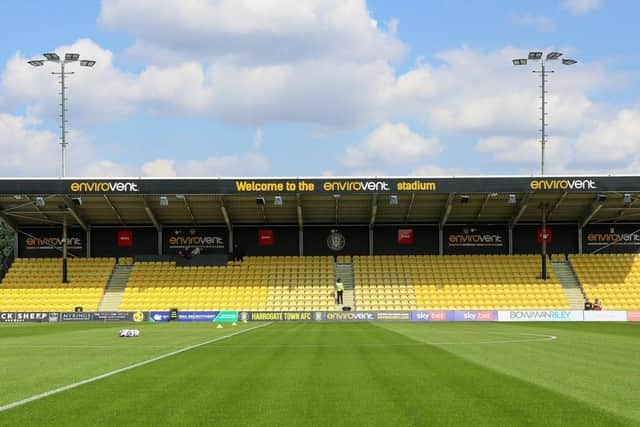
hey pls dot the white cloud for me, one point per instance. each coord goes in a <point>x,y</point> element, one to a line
<point>526,152</point>
<point>159,167</point>
<point>390,145</point>
<point>435,170</point>
<point>580,7</point>
<point>256,32</point>
<point>543,24</point>
<point>482,93</point>
<point>246,164</point>
<point>615,142</point>
<point>26,151</point>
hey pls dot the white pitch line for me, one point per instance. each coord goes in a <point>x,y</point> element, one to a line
<point>120,370</point>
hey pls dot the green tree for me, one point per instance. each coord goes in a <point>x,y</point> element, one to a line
<point>6,241</point>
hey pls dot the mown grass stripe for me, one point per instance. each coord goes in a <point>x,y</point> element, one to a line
<point>120,370</point>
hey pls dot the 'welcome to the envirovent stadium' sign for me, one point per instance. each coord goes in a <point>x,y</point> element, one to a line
<point>369,185</point>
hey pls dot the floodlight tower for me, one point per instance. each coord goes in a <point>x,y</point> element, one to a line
<point>68,59</point>
<point>539,56</point>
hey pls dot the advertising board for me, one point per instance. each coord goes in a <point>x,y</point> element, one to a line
<point>429,316</point>
<point>328,185</point>
<point>23,316</point>
<point>119,316</point>
<point>605,316</point>
<point>196,316</point>
<point>541,316</point>
<point>454,316</point>
<point>276,315</point>
<point>76,317</point>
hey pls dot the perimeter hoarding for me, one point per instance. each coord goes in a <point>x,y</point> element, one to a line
<point>541,316</point>
<point>23,316</point>
<point>195,316</point>
<point>605,316</point>
<point>365,185</point>
<point>99,316</point>
<point>454,316</point>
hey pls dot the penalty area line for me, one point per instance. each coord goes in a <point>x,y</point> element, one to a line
<point>120,370</point>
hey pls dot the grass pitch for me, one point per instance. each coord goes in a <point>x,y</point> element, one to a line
<point>297,374</point>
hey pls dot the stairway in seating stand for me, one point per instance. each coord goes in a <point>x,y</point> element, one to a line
<point>114,291</point>
<point>570,284</point>
<point>344,271</point>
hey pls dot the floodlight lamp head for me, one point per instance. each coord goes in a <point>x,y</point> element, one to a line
<point>71,57</point>
<point>36,63</point>
<point>519,61</point>
<point>277,201</point>
<point>52,56</point>
<point>40,202</point>
<point>535,55</point>
<point>164,201</point>
<point>87,63</point>
<point>393,200</point>
<point>626,199</point>
<point>569,61</point>
<point>553,56</point>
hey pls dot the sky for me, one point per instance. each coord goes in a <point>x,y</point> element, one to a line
<point>226,88</point>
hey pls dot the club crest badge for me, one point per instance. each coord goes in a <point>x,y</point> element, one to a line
<point>336,241</point>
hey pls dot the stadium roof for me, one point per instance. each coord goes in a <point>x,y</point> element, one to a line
<point>318,200</point>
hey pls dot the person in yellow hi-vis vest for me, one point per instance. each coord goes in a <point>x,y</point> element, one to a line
<point>339,291</point>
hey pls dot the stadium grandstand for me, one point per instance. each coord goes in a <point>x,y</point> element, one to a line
<point>280,244</point>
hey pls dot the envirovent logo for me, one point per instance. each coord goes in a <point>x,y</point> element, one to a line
<point>52,242</point>
<point>601,239</point>
<point>104,187</point>
<point>475,240</point>
<point>355,186</point>
<point>194,239</point>
<point>562,184</point>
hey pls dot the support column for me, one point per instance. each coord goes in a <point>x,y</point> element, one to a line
<point>543,247</point>
<point>441,240</point>
<point>300,242</point>
<point>88,242</point>
<point>230,240</point>
<point>370,240</point>
<point>580,240</point>
<point>65,277</point>
<point>160,241</point>
<point>510,240</point>
<point>16,243</point>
